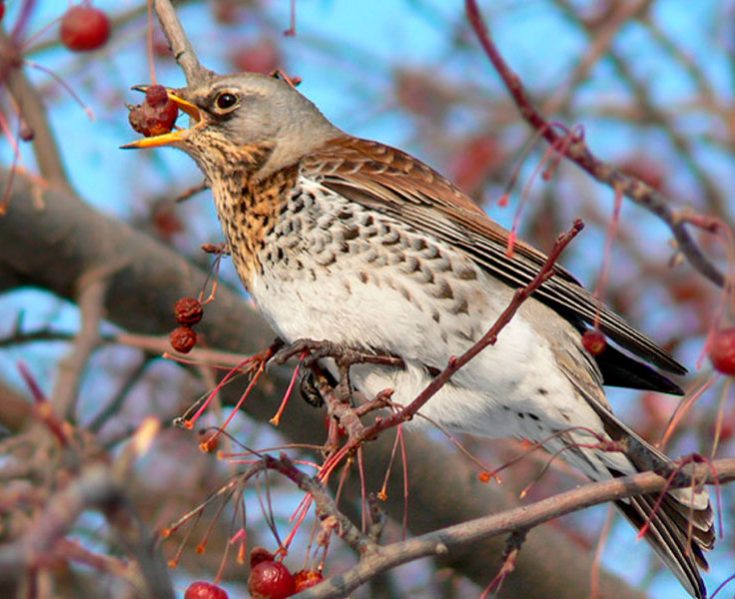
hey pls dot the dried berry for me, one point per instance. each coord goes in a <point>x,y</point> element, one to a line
<point>188,310</point>
<point>183,339</point>
<point>201,589</point>
<point>156,115</point>
<point>26,133</point>
<point>84,28</point>
<point>305,579</point>
<point>722,351</point>
<point>594,342</point>
<point>270,580</point>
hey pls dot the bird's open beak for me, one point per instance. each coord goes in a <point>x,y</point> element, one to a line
<point>172,137</point>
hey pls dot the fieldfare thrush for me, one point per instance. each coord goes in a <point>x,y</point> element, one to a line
<point>354,242</point>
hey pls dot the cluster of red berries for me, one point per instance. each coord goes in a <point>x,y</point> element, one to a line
<point>188,312</point>
<point>156,115</point>
<point>84,28</point>
<point>269,579</point>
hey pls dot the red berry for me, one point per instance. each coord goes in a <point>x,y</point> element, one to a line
<point>594,342</point>
<point>156,95</point>
<point>202,589</point>
<point>2,10</point>
<point>305,579</point>
<point>156,115</point>
<point>260,57</point>
<point>84,28</point>
<point>26,133</point>
<point>722,351</point>
<point>183,339</point>
<point>270,580</point>
<point>188,310</point>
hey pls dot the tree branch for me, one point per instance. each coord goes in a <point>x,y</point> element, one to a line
<point>573,146</point>
<point>442,541</point>
<point>179,42</point>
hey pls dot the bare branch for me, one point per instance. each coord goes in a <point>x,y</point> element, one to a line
<point>33,111</point>
<point>181,47</point>
<point>576,150</point>
<point>91,300</point>
<point>521,518</point>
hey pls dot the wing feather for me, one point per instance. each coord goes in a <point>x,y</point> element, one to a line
<point>394,183</point>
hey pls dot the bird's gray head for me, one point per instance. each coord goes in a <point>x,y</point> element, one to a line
<point>234,115</point>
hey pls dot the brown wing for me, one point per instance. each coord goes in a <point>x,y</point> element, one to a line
<point>395,183</point>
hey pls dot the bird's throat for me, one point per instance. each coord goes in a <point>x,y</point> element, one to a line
<point>248,208</point>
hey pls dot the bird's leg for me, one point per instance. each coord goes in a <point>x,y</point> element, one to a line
<point>315,349</point>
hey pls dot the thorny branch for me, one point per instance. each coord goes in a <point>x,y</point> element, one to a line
<point>576,150</point>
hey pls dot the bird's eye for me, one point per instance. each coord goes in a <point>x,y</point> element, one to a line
<point>226,102</point>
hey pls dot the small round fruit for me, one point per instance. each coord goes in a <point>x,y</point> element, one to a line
<point>201,589</point>
<point>722,351</point>
<point>84,28</point>
<point>305,579</point>
<point>188,310</point>
<point>183,339</point>
<point>156,115</point>
<point>156,95</point>
<point>261,57</point>
<point>26,133</point>
<point>594,342</point>
<point>270,580</point>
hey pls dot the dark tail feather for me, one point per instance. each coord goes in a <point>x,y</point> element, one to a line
<point>669,535</point>
<point>679,526</point>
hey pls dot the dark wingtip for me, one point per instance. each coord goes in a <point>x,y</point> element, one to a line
<point>620,370</point>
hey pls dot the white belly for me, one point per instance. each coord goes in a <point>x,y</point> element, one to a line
<point>518,374</point>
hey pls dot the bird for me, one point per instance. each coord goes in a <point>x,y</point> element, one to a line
<point>352,241</point>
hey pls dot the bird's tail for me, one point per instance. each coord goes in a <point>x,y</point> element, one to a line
<point>679,524</point>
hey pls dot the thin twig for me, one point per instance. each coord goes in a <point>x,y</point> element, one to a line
<point>578,152</point>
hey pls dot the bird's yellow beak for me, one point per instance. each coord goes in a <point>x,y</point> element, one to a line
<point>167,139</point>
